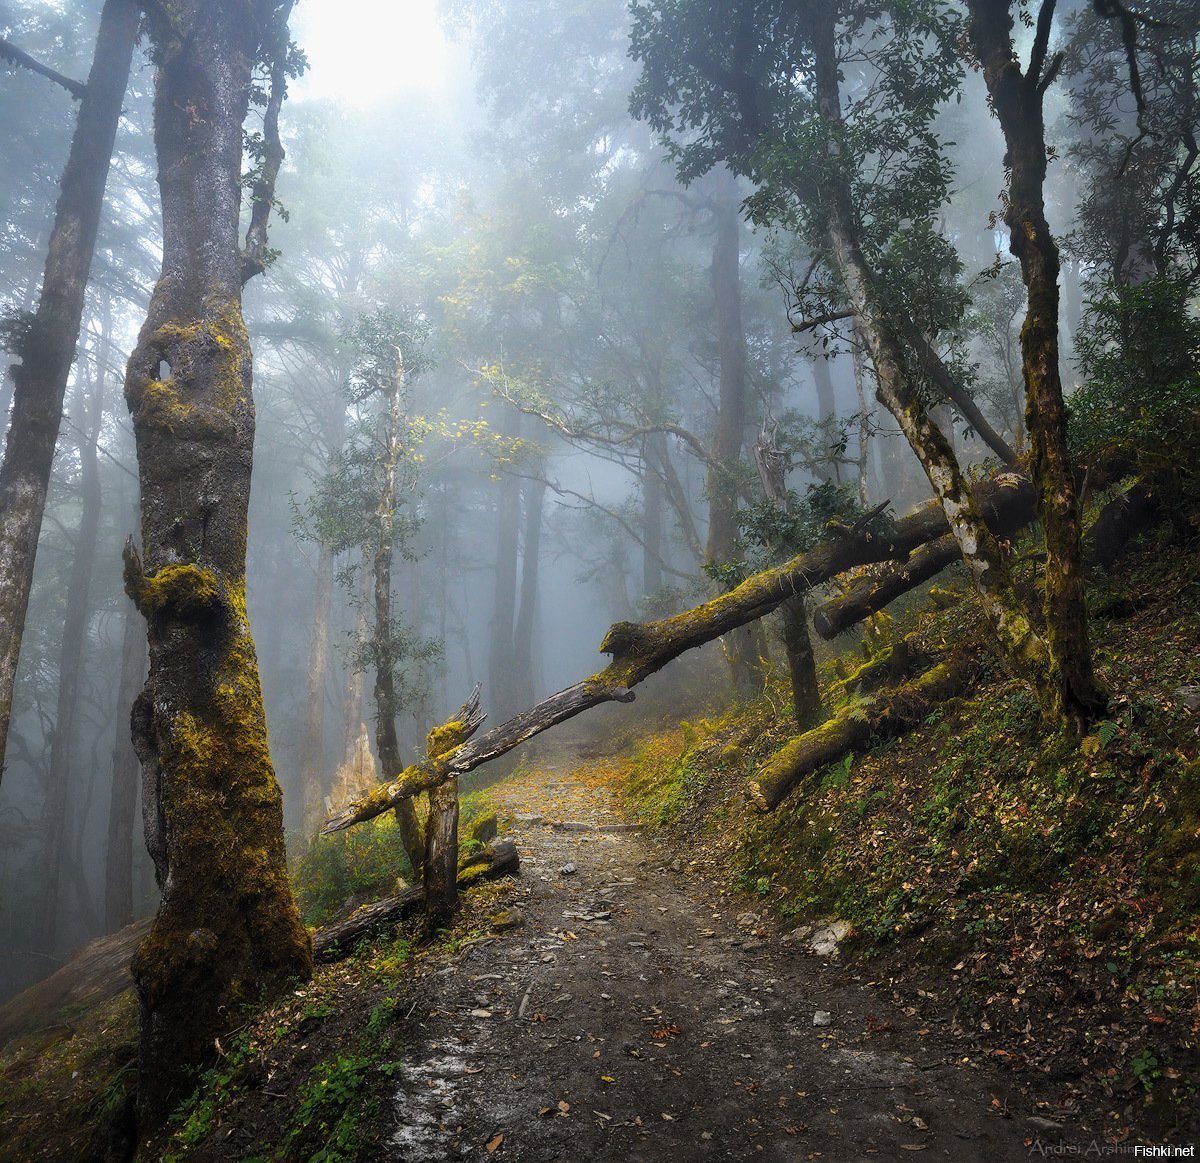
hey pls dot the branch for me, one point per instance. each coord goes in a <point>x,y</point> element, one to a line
<point>21,59</point>
<point>641,649</point>
<point>818,320</point>
<point>255,254</point>
<point>1041,41</point>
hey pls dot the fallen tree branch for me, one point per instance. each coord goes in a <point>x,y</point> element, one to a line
<point>852,729</point>
<point>498,859</point>
<point>640,649</point>
<point>1119,520</point>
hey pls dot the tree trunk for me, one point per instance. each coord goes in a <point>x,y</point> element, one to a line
<point>386,704</point>
<point>508,521</point>
<point>47,349</point>
<point>653,451</point>
<point>797,644</point>
<point>57,806</point>
<point>1006,510</point>
<point>227,930</point>
<point>891,713</point>
<point>312,764</point>
<point>1023,648</point>
<point>523,631</point>
<point>1074,694</point>
<point>739,647</point>
<point>122,803</point>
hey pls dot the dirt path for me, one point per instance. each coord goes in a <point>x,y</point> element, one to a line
<point>632,1014</point>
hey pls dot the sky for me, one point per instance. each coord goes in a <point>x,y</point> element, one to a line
<point>365,52</point>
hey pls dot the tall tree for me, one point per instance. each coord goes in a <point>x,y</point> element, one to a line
<point>1017,97</point>
<point>227,929</point>
<point>45,343</point>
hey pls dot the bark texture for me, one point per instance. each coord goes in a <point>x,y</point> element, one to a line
<point>890,714</point>
<point>227,930</point>
<point>48,347</point>
<point>1072,692</point>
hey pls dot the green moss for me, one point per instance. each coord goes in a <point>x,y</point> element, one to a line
<point>185,591</point>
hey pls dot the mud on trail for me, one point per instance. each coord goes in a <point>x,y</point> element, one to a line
<point>624,1010</point>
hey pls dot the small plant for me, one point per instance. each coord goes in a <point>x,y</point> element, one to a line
<point>1145,1068</point>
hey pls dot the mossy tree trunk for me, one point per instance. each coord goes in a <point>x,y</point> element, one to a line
<point>387,705</point>
<point>1017,99</point>
<point>227,930</point>
<point>47,348</point>
<point>1022,646</point>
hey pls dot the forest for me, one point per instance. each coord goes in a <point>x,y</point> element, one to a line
<point>608,579</point>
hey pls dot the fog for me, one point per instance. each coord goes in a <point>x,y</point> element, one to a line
<point>472,176</point>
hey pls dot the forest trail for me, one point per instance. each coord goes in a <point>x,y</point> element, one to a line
<point>626,1011</point>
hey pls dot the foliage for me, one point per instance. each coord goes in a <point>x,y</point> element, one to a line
<point>1139,351</point>
<point>360,864</point>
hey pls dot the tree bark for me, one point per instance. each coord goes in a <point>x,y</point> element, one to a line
<point>122,802</point>
<point>227,930</point>
<point>1006,509</point>
<point>57,805</point>
<point>1073,692</point>
<point>48,348</point>
<point>893,712</point>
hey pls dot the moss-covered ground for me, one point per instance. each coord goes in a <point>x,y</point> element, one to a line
<point>1038,896</point>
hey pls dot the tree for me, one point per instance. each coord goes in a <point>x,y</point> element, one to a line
<point>1017,99</point>
<point>45,342</point>
<point>760,89</point>
<point>227,930</point>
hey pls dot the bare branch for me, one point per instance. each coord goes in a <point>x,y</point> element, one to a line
<point>21,59</point>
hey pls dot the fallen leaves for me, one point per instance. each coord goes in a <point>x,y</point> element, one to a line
<point>494,1143</point>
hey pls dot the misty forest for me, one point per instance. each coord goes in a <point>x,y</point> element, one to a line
<point>605,580</point>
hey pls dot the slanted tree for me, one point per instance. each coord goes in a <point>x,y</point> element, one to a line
<point>227,930</point>
<point>45,343</point>
<point>1017,97</point>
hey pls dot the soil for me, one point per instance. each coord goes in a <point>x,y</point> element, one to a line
<point>623,1008</point>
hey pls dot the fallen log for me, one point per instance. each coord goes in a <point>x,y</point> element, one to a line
<point>332,942</point>
<point>640,649</point>
<point>852,729</point>
<point>1005,511</point>
<point>1123,516</point>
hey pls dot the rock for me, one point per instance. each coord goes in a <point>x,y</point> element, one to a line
<point>509,919</point>
<point>481,1013</point>
<point>822,1018</point>
<point>797,936</point>
<point>676,865</point>
<point>567,869</point>
<point>825,940</point>
<point>748,921</point>
<point>1189,696</point>
<point>525,818</point>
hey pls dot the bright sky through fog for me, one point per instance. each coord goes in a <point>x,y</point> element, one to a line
<point>364,51</point>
